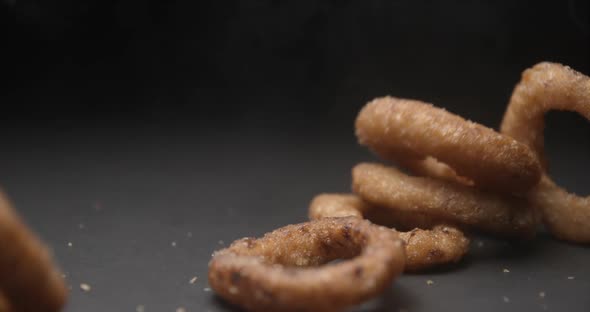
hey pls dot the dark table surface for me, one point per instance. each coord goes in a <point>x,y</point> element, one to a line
<point>136,213</point>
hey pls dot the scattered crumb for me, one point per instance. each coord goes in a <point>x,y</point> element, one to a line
<point>506,271</point>
<point>140,308</point>
<point>189,234</point>
<point>542,294</point>
<point>506,299</point>
<point>173,244</point>
<point>81,226</point>
<point>220,242</point>
<point>480,244</point>
<point>85,287</point>
<point>193,280</point>
<point>429,282</point>
<point>70,244</point>
<point>570,277</point>
<point>97,206</point>
<point>206,289</point>
<point>181,309</point>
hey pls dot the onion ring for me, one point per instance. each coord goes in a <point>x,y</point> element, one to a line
<point>425,249</point>
<point>399,129</point>
<point>28,278</point>
<point>273,273</point>
<point>545,87</point>
<point>458,204</point>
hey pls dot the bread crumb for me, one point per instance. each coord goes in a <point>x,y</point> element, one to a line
<point>189,234</point>
<point>193,280</point>
<point>85,287</point>
<point>81,226</point>
<point>70,244</point>
<point>506,271</point>
<point>140,308</point>
<point>570,277</point>
<point>429,282</point>
<point>173,244</point>
<point>542,294</point>
<point>181,309</point>
<point>206,289</point>
<point>506,299</point>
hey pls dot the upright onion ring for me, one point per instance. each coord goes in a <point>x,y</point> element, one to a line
<point>29,281</point>
<point>425,249</point>
<point>399,129</point>
<point>545,87</point>
<point>273,273</point>
<point>465,206</point>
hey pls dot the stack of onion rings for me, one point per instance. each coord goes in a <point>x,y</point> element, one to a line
<point>468,177</point>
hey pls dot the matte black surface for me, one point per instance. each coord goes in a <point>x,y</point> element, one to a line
<point>124,199</point>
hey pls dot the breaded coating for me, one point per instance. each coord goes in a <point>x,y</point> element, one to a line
<point>387,187</point>
<point>287,270</point>
<point>425,249</point>
<point>545,87</point>
<point>399,129</point>
<point>29,279</point>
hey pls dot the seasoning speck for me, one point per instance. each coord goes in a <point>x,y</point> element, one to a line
<point>506,271</point>
<point>140,308</point>
<point>506,299</point>
<point>193,280</point>
<point>85,287</point>
<point>429,282</point>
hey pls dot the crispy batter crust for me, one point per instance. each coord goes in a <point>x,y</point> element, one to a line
<point>283,271</point>
<point>545,87</point>
<point>465,206</point>
<point>398,129</point>
<point>28,278</point>
<point>425,249</point>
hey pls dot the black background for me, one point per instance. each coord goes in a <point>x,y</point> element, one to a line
<point>146,120</point>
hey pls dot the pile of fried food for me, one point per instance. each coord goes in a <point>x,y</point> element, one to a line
<point>465,177</point>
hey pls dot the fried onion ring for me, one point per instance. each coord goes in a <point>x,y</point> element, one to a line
<point>465,206</point>
<point>29,280</point>
<point>399,129</point>
<point>281,271</point>
<point>425,249</point>
<point>545,87</point>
